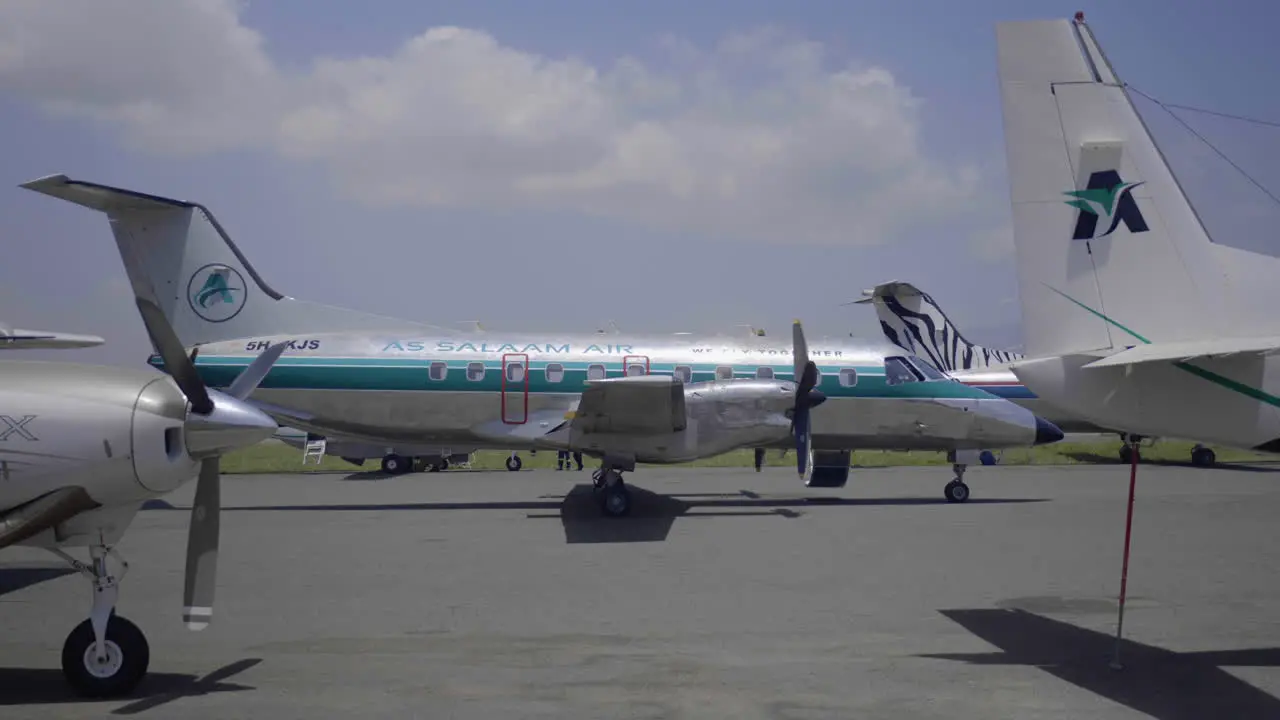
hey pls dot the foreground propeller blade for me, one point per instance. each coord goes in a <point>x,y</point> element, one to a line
<point>249,380</point>
<point>176,362</point>
<point>803,445</point>
<point>799,349</point>
<point>202,547</point>
<point>806,377</point>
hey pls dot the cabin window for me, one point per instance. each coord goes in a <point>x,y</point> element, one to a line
<point>634,369</point>
<point>848,377</point>
<point>927,369</point>
<point>724,372</point>
<point>595,372</point>
<point>555,372</point>
<point>515,372</point>
<point>764,373</point>
<point>683,372</point>
<point>439,371</point>
<point>898,372</point>
<point>475,371</point>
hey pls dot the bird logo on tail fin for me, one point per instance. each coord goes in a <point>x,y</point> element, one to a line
<point>1108,197</point>
<point>216,293</point>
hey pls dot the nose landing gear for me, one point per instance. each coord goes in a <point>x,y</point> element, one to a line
<point>106,655</point>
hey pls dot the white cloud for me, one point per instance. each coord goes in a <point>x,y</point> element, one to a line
<point>757,137</point>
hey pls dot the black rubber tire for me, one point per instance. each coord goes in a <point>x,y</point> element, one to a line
<point>514,463</point>
<point>615,501</point>
<point>956,492</point>
<point>134,651</point>
<point>395,465</point>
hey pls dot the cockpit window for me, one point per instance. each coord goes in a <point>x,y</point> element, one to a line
<point>926,369</point>
<point>898,372</point>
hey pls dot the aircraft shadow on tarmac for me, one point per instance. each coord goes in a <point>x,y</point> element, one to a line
<point>22,686</point>
<point>1257,466</point>
<point>13,579</point>
<point>1161,683</point>
<point>650,520</point>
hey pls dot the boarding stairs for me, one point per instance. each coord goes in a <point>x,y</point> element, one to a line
<point>313,449</point>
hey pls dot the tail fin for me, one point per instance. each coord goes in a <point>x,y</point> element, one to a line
<point>915,322</point>
<point>177,255</point>
<point>1109,249</point>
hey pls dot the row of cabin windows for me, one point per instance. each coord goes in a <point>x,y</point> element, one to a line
<point>555,372</point>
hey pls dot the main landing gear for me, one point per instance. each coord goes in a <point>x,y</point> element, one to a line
<point>1202,456</point>
<point>514,463</point>
<point>106,655</point>
<point>611,492</point>
<point>956,491</point>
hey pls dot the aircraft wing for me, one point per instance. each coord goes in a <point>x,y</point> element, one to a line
<point>17,339</point>
<point>638,405</point>
<point>1189,350</point>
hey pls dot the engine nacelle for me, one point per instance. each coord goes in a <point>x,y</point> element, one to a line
<point>719,417</point>
<point>115,432</point>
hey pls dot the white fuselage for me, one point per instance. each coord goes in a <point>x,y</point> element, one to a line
<point>1229,401</point>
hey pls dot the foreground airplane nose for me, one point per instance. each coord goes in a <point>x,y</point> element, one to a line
<point>1047,432</point>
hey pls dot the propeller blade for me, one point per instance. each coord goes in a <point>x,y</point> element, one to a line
<point>202,547</point>
<point>800,423</point>
<point>799,349</point>
<point>249,380</point>
<point>176,362</point>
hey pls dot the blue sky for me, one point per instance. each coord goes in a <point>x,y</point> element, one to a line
<point>670,166</point>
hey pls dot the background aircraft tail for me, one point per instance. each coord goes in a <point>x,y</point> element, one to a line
<point>914,321</point>
<point>1109,250</point>
<point>177,255</point>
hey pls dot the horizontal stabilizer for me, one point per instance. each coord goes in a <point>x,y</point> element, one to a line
<point>1189,350</point>
<point>103,198</point>
<point>17,339</point>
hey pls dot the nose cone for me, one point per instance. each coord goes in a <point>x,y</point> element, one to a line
<point>233,425</point>
<point>1047,432</point>
<point>816,398</point>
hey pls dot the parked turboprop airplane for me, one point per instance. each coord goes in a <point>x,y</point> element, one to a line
<point>1127,303</point>
<point>911,319</point>
<point>625,399</point>
<point>18,339</point>
<point>84,446</point>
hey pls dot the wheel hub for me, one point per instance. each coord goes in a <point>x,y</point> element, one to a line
<point>105,667</point>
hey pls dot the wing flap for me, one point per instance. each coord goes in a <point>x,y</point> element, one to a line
<point>639,405</point>
<point>1189,350</point>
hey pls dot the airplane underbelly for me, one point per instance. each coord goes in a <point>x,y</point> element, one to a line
<point>437,416</point>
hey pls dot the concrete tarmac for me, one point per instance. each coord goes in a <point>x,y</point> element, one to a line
<point>729,594</point>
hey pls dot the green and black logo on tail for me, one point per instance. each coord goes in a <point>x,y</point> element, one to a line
<point>1107,197</point>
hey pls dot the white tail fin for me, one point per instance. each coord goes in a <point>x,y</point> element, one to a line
<point>1109,250</point>
<point>915,322</point>
<point>177,255</point>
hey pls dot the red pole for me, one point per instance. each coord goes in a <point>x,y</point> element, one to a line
<point>1128,534</point>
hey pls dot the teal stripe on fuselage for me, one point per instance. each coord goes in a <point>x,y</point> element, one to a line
<point>413,374</point>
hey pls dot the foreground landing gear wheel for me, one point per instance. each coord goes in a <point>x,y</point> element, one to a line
<point>118,672</point>
<point>514,463</point>
<point>956,492</point>
<point>1203,457</point>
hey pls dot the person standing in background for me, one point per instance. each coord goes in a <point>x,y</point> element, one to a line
<point>562,460</point>
<point>577,457</point>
